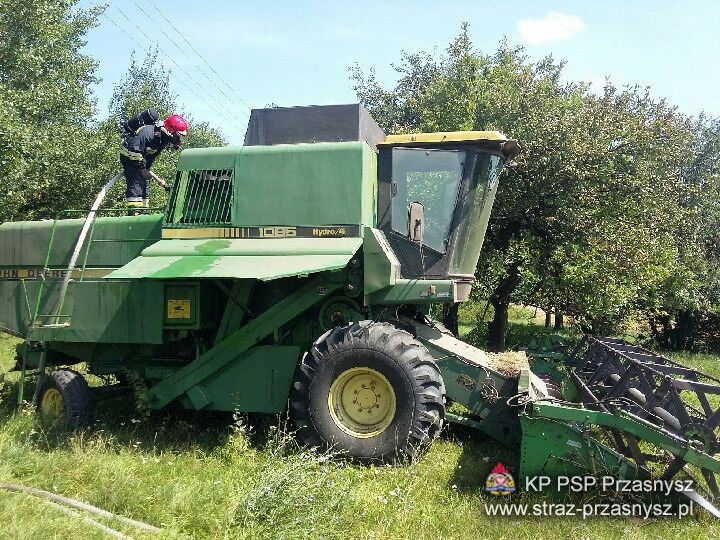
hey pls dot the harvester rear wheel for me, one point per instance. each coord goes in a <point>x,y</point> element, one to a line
<point>64,397</point>
<point>370,391</point>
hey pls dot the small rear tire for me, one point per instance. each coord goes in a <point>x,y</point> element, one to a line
<point>65,398</point>
<point>370,391</point>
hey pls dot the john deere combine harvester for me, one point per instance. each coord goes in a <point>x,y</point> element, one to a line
<point>299,277</point>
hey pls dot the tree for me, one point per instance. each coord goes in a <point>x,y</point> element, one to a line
<point>147,84</point>
<point>53,156</point>
<point>585,222</point>
<point>684,312</point>
<point>47,107</point>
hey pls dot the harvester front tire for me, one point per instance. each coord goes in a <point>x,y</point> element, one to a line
<point>369,391</point>
<point>65,398</point>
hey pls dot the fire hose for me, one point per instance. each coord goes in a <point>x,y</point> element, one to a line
<point>64,502</point>
<point>86,228</point>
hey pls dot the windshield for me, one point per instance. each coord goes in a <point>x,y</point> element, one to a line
<point>430,177</point>
<point>474,213</point>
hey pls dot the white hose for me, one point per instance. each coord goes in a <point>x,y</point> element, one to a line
<point>59,499</point>
<point>159,180</point>
<point>90,521</point>
<point>81,239</point>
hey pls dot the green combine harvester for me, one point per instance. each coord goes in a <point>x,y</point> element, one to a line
<point>296,274</point>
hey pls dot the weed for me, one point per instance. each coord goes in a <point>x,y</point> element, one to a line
<point>215,477</point>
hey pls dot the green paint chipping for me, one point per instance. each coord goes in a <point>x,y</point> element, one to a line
<point>211,246</point>
<point>240,258</point>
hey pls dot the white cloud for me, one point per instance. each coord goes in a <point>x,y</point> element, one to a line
<point>555,26</point>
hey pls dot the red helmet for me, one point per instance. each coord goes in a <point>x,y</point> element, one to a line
<point>176,124</point>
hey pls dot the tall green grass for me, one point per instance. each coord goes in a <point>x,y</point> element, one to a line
<point>208,477</point>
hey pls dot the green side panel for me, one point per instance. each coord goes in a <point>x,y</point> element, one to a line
<point>16,309</point>
<point>552,448</point>
<point>382,268</point>
<point>220,158</point>
<point>415,291</point>
<point>258,380</point>
<point>240,258</point>
<point>305,184</point>
<point>296,184</point>
<point>115,241</point>
<point>19,298</point>
<point>107,312</point>
<point>221,355</point>
<point>471,382</point>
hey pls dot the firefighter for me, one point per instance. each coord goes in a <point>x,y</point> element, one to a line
<point>138,152</point>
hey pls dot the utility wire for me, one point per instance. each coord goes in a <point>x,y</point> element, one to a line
<point>214,84</point>
<point>141,47</point>
<point>199,55</point>
<point>190,77</point>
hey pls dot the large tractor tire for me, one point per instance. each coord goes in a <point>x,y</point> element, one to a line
<point>369,391</point>
<point>65,398</point>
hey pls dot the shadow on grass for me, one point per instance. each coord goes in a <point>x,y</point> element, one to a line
<point>520,335</point>
<point>119,421</point>
<point>480,454</point>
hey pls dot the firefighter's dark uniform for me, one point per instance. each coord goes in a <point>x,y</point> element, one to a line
<point>137,154</point>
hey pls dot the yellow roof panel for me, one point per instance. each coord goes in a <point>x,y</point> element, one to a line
<point>444,136</point>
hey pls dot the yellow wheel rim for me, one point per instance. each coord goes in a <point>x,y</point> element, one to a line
<point>362,402</point>
<point>53,404</point>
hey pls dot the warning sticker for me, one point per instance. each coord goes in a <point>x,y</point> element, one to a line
<point>178,309</point>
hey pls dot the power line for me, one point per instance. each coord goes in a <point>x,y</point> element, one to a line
<point>190,77</point>
<point>199,55</point>
<point>211,81</point>
<point>141,47</point>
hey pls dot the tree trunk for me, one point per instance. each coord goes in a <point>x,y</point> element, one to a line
<point>559,320</point>
<point>497,329</point>
<point>548,318</point>
<point>682,335</point>
<point>666,331</point>
<point>653,326</point>
<point>500,300</point>
<point>450,317</point>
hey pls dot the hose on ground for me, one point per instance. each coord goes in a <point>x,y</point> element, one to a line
<point>59,499</point>
<point>90,521</point>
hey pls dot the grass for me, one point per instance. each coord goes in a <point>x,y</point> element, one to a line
<point>194,476</point>
<point>525,325</point>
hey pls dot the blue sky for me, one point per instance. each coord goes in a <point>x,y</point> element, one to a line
<point>298,53</point>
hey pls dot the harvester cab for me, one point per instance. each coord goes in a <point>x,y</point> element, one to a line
<point>296,273</point>
<point>453,176</point>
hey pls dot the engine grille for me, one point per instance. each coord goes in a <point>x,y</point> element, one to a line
<point>200,197</point>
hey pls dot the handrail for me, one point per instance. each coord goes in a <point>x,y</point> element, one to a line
<point>122,209</point>
<point>81,239</point>
<point>87,252</point>
<point>89,221</point>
